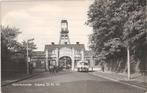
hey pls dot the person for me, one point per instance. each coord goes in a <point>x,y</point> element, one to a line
<point>51,68</point>
<point>102,66</point>
<point>30,67</point>
<point>55,69</point>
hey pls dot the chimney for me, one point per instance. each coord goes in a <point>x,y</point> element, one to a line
<point>53,43</point>
<point>77,43</point>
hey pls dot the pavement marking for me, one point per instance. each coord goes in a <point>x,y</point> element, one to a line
<point>119,81</point>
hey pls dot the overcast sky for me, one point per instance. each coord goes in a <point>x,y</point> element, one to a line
<point>41,20</point>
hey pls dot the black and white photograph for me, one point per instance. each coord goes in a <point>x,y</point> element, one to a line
<point>73,46</point>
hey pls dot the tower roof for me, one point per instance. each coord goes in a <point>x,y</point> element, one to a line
<point>63,21</point>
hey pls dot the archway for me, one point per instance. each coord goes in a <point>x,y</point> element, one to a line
<point>65,62</point>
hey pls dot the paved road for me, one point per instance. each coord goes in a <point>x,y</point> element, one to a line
<point>68,82</point>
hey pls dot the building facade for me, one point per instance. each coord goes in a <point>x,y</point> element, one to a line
<point>64,53</point>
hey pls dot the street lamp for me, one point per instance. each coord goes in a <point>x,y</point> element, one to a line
<point>28,58</point>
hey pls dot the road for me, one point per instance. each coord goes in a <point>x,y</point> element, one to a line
<point>69,82</point>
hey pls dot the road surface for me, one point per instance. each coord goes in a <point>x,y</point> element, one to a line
<point>69,82</point>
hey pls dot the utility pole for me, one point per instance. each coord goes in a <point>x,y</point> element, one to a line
<point>128,62</point>
<point>28,58</point>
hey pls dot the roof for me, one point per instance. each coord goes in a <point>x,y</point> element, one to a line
<point>38,53</point>
<point>63,21</point>
<point>75,46</point>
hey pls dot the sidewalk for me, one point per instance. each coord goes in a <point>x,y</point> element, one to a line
<point>18,77</point>
<point>138,81</point>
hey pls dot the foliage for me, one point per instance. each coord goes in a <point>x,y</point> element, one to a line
<point>31,47</point>
<point>13,53</point>
<point>117,24</point>
<point>8,42</point>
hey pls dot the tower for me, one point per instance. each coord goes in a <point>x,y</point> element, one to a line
<point>64,38</point>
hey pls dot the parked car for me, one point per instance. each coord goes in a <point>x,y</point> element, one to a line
<point>83,66</point>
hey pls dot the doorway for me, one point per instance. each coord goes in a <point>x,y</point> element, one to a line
<point>65,62</point>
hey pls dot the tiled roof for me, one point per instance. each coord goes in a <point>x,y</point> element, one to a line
<point>75,46</point>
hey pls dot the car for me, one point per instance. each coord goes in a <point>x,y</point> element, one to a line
<point>82,66</point>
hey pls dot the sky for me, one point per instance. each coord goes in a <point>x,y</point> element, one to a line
<point>41,20</point>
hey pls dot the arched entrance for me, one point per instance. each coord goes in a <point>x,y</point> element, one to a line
<point>65,62</point>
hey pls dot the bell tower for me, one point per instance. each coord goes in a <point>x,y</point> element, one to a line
<point>64,38</point>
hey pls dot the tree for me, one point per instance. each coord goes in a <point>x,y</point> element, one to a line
<point>31,46</point>
<point>13,53</point>
<point>118,25</point>
<point>8,43</point>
